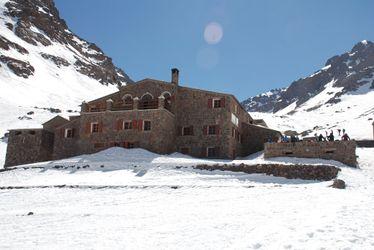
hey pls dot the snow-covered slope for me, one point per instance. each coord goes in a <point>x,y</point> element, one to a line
<point>45,65</point>
<point>141,200</point>
<point>339,96</point>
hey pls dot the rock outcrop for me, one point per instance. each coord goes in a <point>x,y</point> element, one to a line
<point>348,72</point>
<point>38,23</point>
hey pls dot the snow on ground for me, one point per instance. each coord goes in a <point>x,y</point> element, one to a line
<point>157,206</point>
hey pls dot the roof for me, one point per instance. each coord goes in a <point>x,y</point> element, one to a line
<point>56,119</point>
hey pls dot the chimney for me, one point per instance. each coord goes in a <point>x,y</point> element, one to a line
<point>174,76</point>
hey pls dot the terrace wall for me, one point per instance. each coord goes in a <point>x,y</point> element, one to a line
<point>343,151</point>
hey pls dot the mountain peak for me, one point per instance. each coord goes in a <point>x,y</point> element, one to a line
<point>348,72</point>
<point>38,23</point>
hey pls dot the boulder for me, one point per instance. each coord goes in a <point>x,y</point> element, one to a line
<point>339,184</point>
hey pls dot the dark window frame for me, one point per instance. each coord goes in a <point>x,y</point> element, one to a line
<point>211,129</point>
<point>146,127</point>
<point>127,125</point>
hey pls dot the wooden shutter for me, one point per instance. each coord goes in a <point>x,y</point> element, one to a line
<point>218,130</point>
<point>140,124</point>
<point>205,130</point>
<point>62,132</point>
<point>210,103</point>
<point>179,130</point>
<point>72,132</point>
<point>134,123</point>
<point>120,124</point>
<point>100,127</point>
<point>222,102</point>
<point>87,129</point>
<point>191,128</point>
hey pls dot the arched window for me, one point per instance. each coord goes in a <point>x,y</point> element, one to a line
<point>128,101</point>
<point>167,97</point>
<point>147,97</point>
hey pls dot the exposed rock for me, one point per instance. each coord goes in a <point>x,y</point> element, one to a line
<point>349,71</point>
<point>20,68</point>
<point>6,45</point>
<point>56,59</point>
<point>38,23</point>
<point>340,184</point>
<point>30,213</point>
<point>30,113</point>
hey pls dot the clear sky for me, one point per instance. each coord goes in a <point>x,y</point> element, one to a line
<point>243,47</point>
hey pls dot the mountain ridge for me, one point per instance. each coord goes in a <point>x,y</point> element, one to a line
<point>348,69</point>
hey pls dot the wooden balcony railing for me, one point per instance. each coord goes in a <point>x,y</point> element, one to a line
<point>148,104</point>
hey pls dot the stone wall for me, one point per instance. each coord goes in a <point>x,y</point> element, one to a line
<point>160,139</point>
<point>28,146</point>
<point>193,110</point>
<point>305,172</point>
<point>343,151</point>
<point>254,138</point>
<point>365,143</point>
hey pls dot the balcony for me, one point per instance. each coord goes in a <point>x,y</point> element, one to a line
<point>136,105</point>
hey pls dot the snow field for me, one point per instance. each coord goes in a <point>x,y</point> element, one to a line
<point>156,206</point>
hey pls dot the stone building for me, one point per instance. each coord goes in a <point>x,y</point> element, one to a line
<point>159,116</point>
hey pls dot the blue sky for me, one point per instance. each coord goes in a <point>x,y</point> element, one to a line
<point>265,44</point>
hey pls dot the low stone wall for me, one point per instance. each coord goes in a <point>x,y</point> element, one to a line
<point>365,143</point>
<point>305,172</point>
<point>343,151</point>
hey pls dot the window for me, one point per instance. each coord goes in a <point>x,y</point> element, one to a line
<point>185,150</point>
<point>236,109</point>
<point>187,130</point>
<point>127,125</point>
<point>212,130</point>
<point>18,133</point>
<point>147,126</point>
<point>212,152</point>
<point>69,133</point>
<point>235,120</point>
<point>32,132</point>
<point>217,103</point>
<point>94,127</point>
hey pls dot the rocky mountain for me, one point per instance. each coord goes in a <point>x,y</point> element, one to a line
<point>348,72</point>
<point>340,95</point>
<point>37,22</point>
<point>45,68</point>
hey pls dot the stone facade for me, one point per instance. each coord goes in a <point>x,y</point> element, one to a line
<point>29,146</point>
<point>343,151</point>
<point>159,116</point>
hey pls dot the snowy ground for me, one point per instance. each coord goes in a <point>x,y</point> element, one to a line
<point>157,206</point>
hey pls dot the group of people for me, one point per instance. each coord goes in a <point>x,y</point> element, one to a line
<point>328,137</point>
<point>292,138</point>
<point>331,137</point>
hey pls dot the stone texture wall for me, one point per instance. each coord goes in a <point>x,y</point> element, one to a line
<point>343,151</point>
<point>194,110</point>
<point>160,139</point>
<point>255,137</point>
<point>28,146</point>
<point>305,172</point>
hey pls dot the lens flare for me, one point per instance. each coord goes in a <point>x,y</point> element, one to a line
<point>213,33</point>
